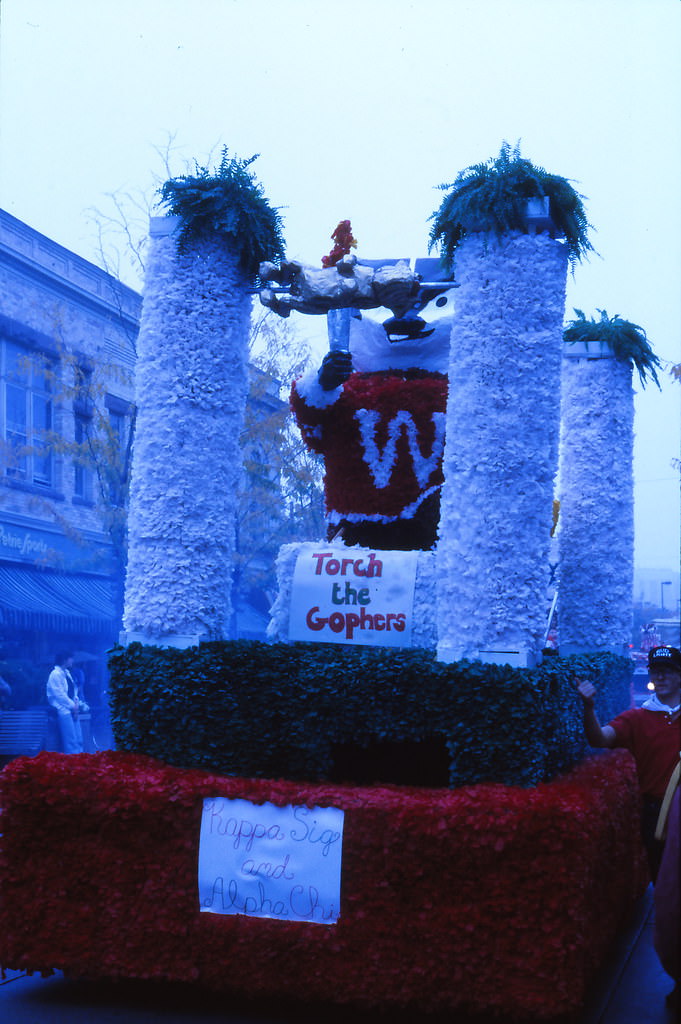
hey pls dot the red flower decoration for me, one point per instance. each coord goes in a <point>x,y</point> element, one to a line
<point>342,236</point>
<point>491,899</point>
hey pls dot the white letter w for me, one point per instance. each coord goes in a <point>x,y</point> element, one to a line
<point>381,463</point>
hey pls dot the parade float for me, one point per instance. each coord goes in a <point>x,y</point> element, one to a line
<point>389,804</point>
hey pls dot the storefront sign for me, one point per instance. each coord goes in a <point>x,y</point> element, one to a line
<point>266,861</point>
<point>345,596</point>
<point>20,544</point>
<point>33,546</point>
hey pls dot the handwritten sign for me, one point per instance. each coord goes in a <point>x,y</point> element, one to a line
<point>353,596</point>
<point>266,861</point>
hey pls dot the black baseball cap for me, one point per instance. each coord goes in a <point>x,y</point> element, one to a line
<point>665,657</point>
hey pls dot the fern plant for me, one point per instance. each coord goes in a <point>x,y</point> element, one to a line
<point>628,341</point>
<point>492,197</point>
<point>229,202</point>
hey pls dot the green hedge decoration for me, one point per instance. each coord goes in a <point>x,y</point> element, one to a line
<point>290,710</point>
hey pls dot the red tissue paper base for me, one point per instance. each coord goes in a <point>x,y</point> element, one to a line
<point>483,899</point>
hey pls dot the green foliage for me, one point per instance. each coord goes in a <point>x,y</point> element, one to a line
<point>492,197</point>
<point>281,496</point>
<point>278,355</point>
<point>628,341</point>
<point>282,710</point>
<point>229,202</point>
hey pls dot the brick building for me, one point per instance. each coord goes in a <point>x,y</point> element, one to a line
<point>68,335</point>
<point>67,355</point>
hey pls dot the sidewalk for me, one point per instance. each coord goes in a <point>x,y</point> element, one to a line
<point>632,986</point>
<point>631,989</point>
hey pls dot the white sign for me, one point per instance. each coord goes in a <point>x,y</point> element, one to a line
<point>353,596</point>
<point>266,861</point>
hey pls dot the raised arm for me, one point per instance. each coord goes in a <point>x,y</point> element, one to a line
<point>598,735</point>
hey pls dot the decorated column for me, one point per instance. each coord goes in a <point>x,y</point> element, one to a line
<point>192,376</point>
<point>513,228</point>
<point>596,533</point>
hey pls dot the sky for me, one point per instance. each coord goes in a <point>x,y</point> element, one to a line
<point>359,110</point>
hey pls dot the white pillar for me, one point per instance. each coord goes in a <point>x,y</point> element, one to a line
<point>191,386</point>
<point>501,449</point>
<point>596,528</point>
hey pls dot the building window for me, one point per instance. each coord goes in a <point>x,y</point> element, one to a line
<point>120,426</point>
<point>82,432</point>
<point>82,478</point>
<point>25,414</point>
<point>119,432</point>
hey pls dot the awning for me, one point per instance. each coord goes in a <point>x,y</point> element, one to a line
<point>57,601</point>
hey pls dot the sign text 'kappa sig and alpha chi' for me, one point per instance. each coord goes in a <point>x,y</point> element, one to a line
<point>261,860</point>
<point>353,596</point>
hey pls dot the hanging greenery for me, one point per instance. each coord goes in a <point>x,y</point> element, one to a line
<point>492,197</point>
<point>628,341</point>
<point>230,202</point>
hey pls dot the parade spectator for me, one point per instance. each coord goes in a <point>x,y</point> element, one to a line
<point>62,694</point>
<point>652,733</point>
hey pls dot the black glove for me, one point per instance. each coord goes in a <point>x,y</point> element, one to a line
<point>335,369</point>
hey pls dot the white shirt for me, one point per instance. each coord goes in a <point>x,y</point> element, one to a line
<point>58,690</point>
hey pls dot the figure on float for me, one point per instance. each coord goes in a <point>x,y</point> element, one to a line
<point>375,408</point>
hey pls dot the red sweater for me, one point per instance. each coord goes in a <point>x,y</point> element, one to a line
<point>654,739</point>
<point>382,441</point>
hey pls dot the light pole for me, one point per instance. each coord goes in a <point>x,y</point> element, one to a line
<point>663,584</point>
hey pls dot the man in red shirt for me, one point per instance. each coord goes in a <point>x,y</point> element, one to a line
<point>652,733</point>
